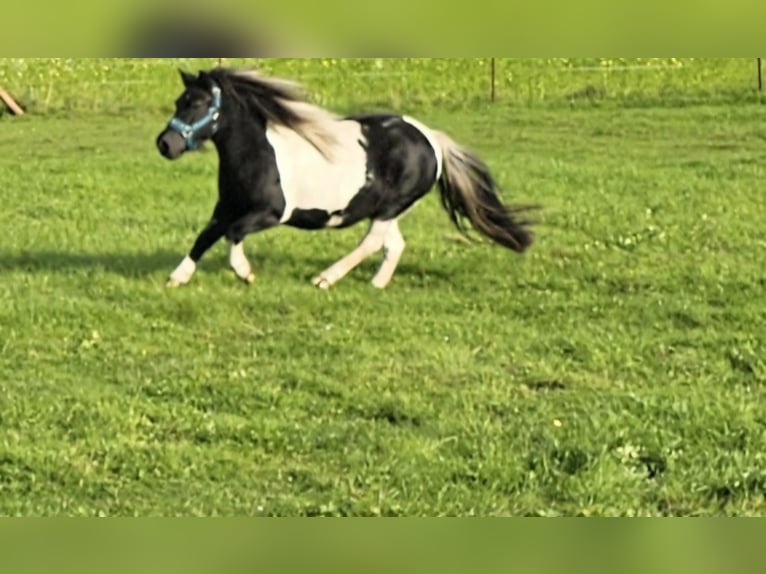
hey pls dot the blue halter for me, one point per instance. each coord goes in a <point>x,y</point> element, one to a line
<point>188,131</point>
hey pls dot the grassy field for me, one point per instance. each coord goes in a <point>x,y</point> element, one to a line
<point>618,368</point>
<point>120,86</point>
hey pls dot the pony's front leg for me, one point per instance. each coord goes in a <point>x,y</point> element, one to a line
<point>239,263</point>
<point>236,233</point>
<point>205,240</point>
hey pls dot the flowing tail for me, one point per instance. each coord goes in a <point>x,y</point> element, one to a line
<point>468,191</point>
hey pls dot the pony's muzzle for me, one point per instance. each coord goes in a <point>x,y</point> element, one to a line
<point>171,144</point>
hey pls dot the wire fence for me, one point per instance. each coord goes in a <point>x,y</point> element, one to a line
<point>47,86</point>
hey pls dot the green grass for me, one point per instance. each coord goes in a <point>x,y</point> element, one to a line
<point>618,368</point>
<point>123,86</point>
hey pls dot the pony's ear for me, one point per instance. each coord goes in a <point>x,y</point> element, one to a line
<point>186,77</point>
<point>205,78</point>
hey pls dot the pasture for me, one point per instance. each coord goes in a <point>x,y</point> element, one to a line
<point>617,368</point>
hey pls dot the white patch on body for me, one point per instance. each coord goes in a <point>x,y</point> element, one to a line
<point>310,180</point>
<point>183,273</point>
<point>426,131</point>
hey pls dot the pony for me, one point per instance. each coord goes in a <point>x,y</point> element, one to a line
<point>286,161</point>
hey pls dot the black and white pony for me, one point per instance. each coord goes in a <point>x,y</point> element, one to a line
<point>284,161</point>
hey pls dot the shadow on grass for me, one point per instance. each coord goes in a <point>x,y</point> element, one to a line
<point>125,264</point>
<point>132,265</point>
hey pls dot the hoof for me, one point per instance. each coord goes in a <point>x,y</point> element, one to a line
<point>321,282</point>
<point>173,283</point>
<point>248,277</point>
<point>378,284</point>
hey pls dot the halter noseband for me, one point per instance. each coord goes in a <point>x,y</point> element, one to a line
<point>188,131</point>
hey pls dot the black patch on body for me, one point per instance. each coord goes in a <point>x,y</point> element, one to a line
<point>309,218</point>
<point>401,168</point>
<point>248,181</point>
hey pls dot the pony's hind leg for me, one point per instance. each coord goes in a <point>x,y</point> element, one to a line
<point>393,246</point>
<point>239,263</point>
<point>371,243</point>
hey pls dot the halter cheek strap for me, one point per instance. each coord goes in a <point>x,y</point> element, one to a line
<point>189,131</point>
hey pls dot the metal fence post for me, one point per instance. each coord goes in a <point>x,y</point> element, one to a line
<point>492,78</point>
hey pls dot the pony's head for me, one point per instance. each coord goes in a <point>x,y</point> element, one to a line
<point>196,118</point>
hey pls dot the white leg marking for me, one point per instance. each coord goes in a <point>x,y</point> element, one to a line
<point>183,273</point>
<point>334,221</point>
<point>393,246</point>
<point>239,262</point>
<point>371,243</point>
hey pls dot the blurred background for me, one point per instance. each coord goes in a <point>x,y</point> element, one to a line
<point>44,86</point>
